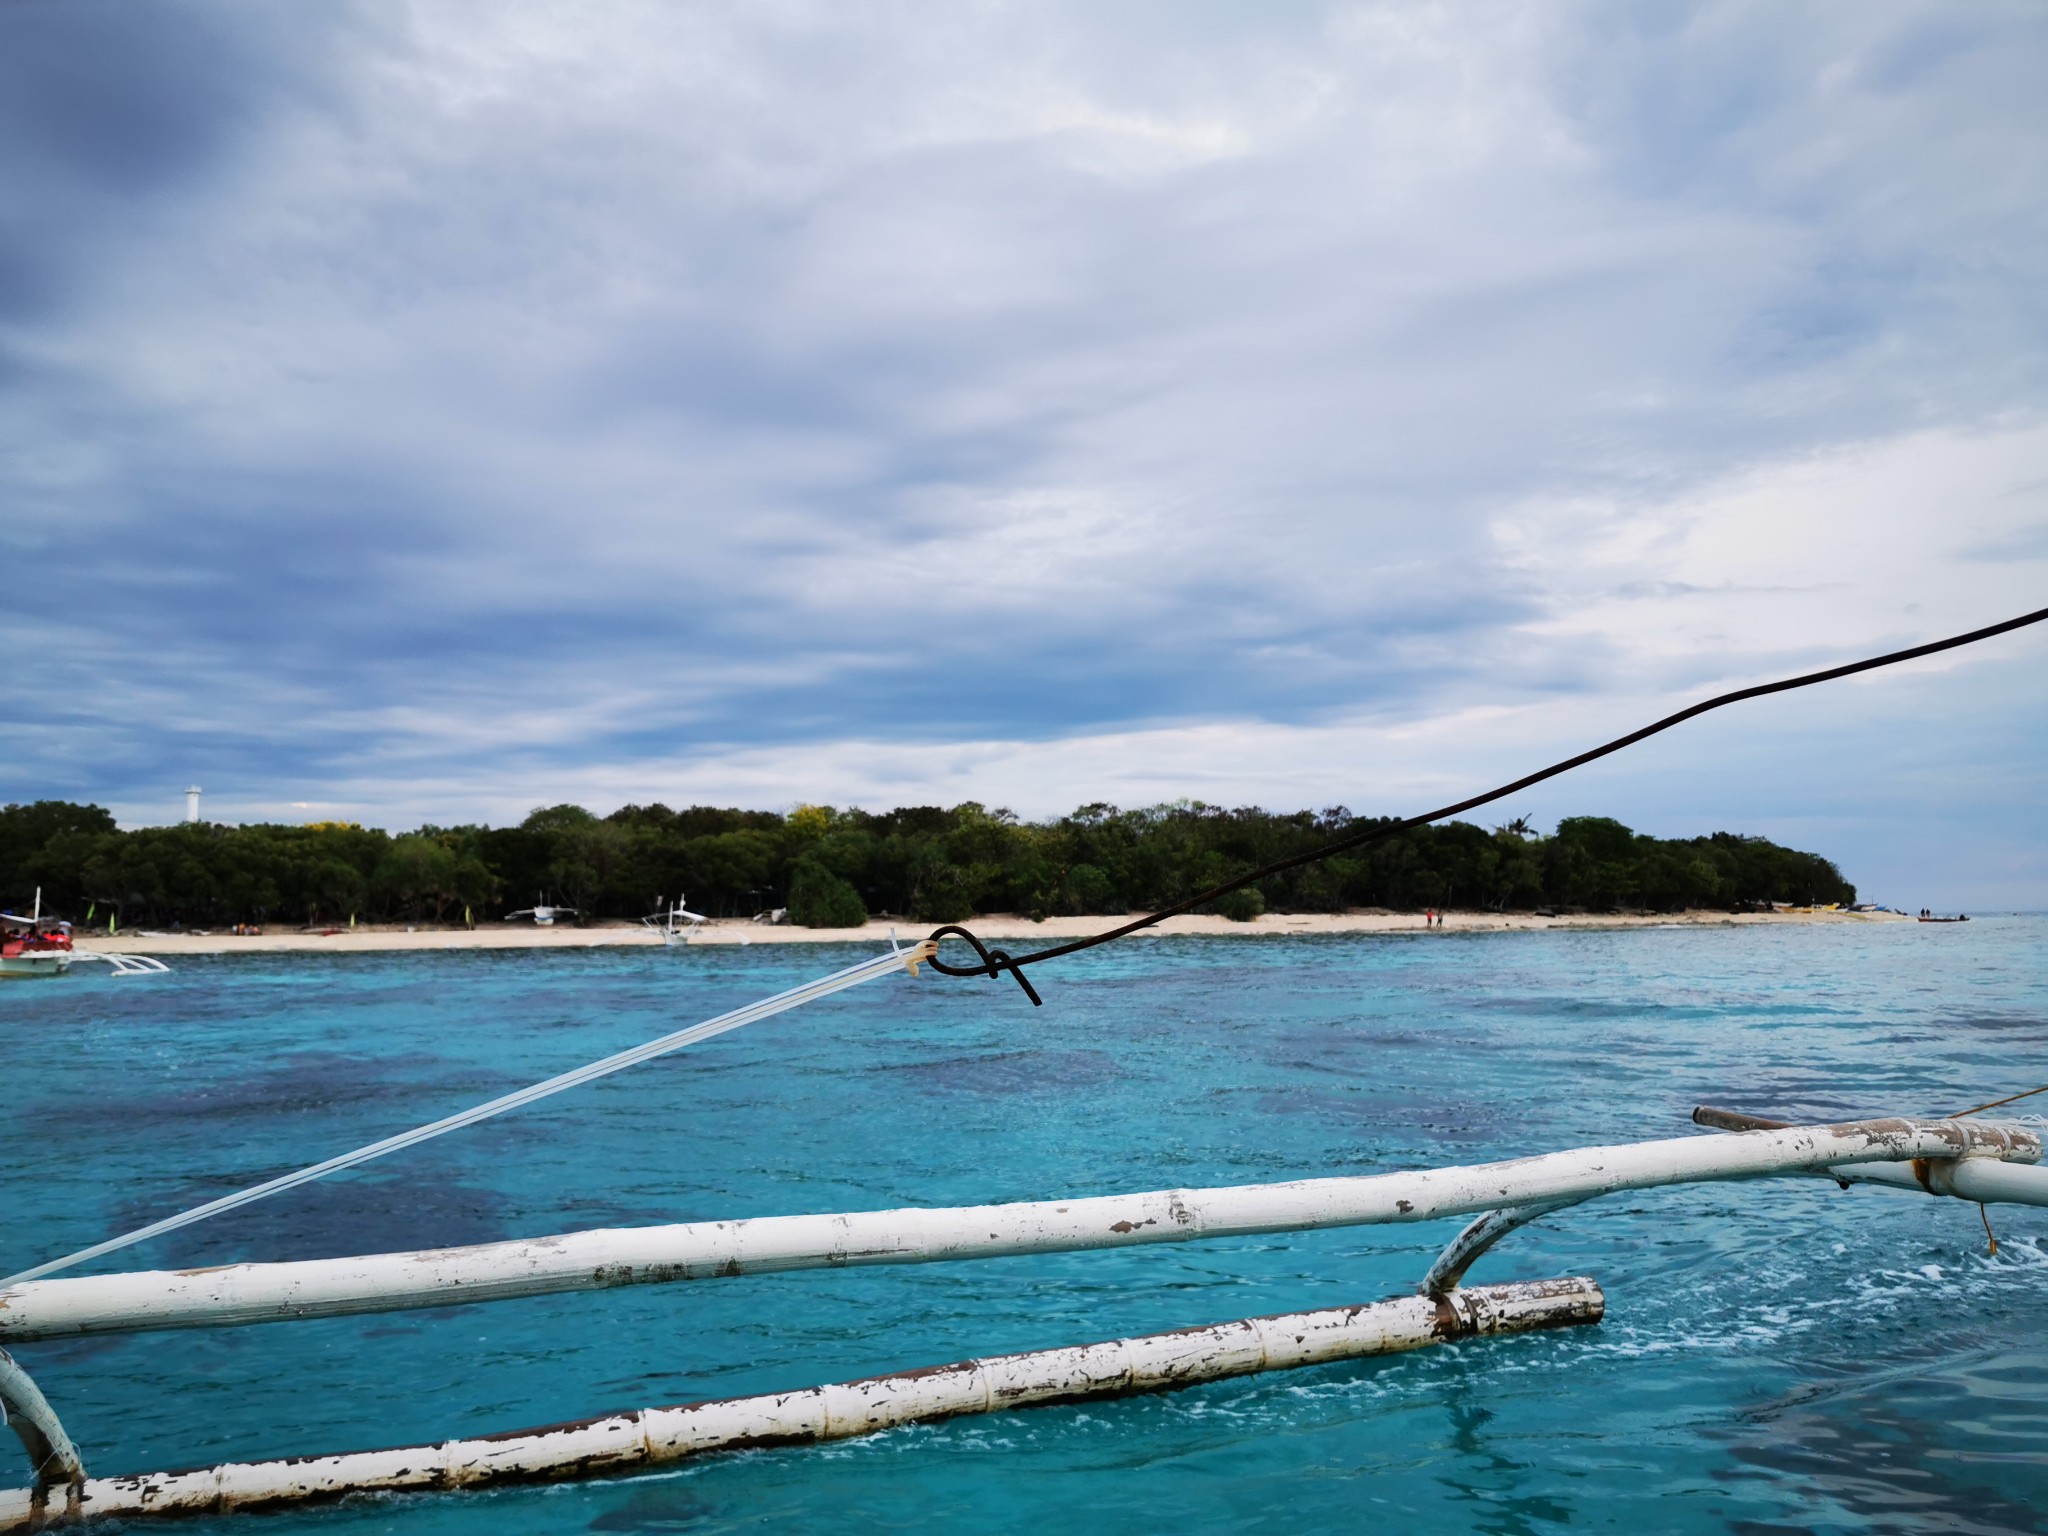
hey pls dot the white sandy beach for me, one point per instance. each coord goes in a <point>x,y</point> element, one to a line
<point>999,927</point>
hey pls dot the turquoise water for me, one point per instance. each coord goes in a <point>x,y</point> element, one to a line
<point>1777,1356</point>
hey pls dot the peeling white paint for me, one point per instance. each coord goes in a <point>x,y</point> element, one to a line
<point>622,1442</point>
<point>594,1260</point>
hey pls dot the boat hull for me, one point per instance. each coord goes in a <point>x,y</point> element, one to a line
<point>22,967</point>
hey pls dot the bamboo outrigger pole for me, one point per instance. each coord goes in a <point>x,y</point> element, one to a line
<point>648,1437</point>
<point>1982,1161</point>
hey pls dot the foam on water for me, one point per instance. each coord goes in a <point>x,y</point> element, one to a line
<point>1777,1356</point>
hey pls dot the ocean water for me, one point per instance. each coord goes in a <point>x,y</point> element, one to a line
<point>1777,1356</point>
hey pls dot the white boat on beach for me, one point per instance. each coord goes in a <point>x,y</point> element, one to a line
<point>542,914</point>
<point>675,924</point>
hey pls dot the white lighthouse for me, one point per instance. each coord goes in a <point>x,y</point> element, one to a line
<point>192,803</point>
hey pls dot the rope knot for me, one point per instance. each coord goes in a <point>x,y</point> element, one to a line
<point>993,961</point>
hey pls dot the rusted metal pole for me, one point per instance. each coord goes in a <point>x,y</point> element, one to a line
<point>1734,1120</point>
<point>255,1293</point>
<point>1970,1178</point>
<point>626,1441</point>
<point>1984,1180</point>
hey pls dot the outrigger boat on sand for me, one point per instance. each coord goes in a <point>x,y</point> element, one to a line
<point>675,924</point>
<point>543,915</point>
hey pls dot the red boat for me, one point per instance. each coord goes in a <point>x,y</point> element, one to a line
<point>34,945</point>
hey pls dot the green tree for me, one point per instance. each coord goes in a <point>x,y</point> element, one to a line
<point>333,889</point>
<point>417,877</point>
<point>820,899</point>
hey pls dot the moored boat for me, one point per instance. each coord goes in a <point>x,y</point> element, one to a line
<point>34,945</point>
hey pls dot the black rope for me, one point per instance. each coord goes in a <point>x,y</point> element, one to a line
<point>994,961</point>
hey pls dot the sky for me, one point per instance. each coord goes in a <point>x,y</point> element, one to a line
<point>426,412</point>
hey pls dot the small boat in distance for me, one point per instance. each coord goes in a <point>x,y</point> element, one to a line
<point>1926,916</point>
<point>34,945</point>
<point>542,914</point>
<point>675,924</point>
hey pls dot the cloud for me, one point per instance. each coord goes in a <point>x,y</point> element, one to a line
<point>479,395</point>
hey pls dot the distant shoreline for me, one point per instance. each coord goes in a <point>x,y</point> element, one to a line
<point>382,937</point>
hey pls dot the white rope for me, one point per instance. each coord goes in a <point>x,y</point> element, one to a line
<point>824,986</point>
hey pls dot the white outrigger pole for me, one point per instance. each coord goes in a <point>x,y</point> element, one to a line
<point>1966,1159</point>
<point>123,965</point>
<point>1977,1162</point>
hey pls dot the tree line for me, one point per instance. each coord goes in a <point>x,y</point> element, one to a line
<point>833,868</point>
